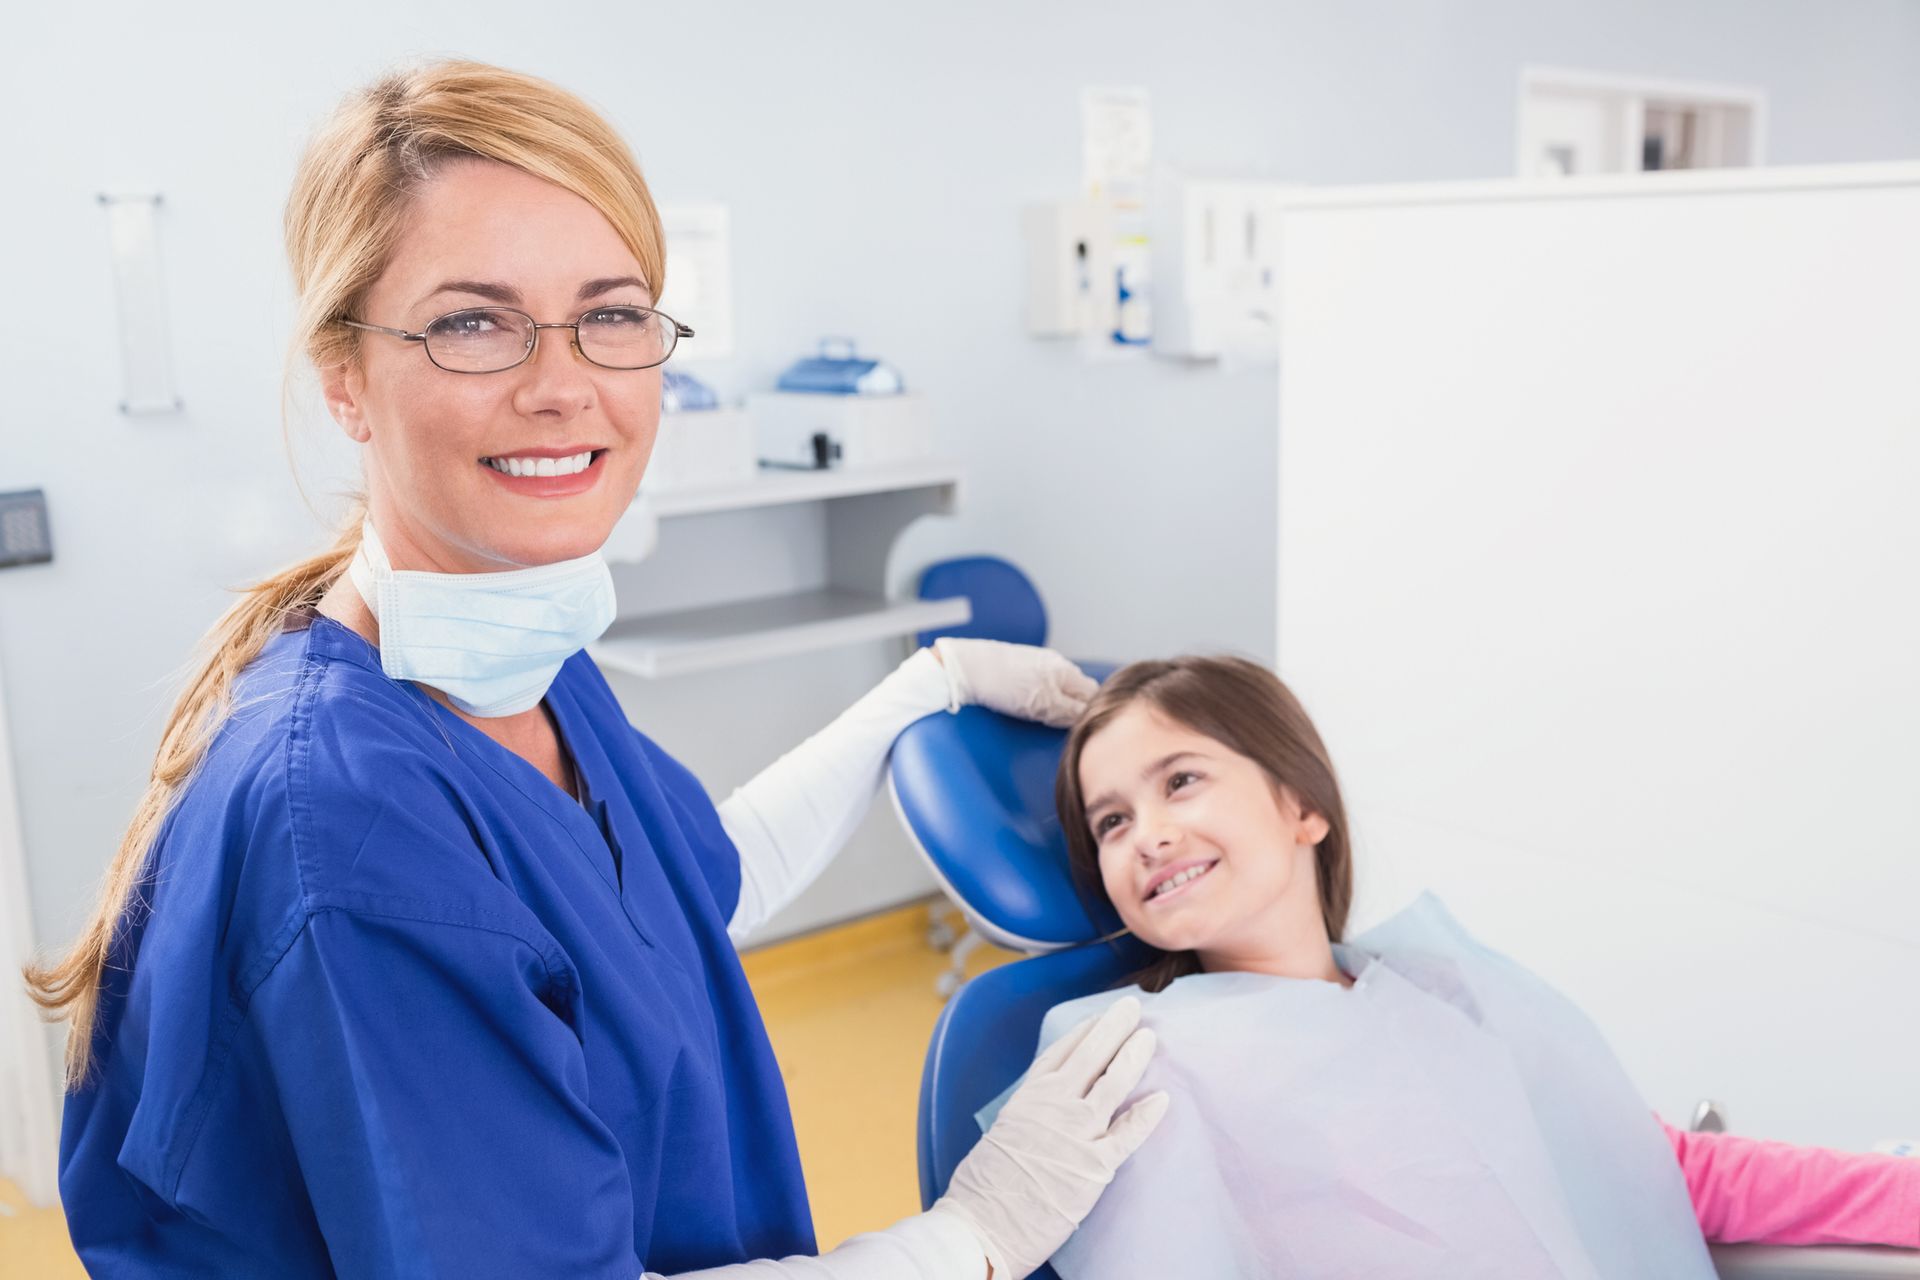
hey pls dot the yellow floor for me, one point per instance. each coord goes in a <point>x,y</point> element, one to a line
<point>849,1011</point>
<point>33,1242</point>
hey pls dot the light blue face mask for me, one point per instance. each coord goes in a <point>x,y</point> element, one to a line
<point>492,642</point>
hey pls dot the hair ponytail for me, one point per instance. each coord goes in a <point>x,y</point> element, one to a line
<point>70,987</point>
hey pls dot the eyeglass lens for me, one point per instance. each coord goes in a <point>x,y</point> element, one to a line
<point>486,339</point>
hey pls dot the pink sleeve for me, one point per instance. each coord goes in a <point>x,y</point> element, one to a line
<point>1746,1189</point>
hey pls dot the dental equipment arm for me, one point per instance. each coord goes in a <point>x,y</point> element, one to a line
<point>789,820</point>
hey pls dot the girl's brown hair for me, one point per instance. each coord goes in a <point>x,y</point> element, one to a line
<point>350,201</point>
<point>1245,708</point>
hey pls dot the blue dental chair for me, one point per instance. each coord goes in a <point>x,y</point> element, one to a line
<point>1006,606</point>
<point>975,792</point>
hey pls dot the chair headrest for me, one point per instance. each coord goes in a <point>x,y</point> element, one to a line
<point>1006,606</point>
<point>975,791</point>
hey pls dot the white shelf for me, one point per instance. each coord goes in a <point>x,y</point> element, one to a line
<point>772,488</point>
<point>671,644</point>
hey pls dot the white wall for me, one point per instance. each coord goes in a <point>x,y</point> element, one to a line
<point>874,155</point>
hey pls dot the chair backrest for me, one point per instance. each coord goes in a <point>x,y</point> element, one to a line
<point>986,1038</point>
<point>975,792</point>
<point>1006,606</point>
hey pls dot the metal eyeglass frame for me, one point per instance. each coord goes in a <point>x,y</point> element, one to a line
<point>533,343</point>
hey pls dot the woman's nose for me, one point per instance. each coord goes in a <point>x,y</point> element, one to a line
<point>556,378</point>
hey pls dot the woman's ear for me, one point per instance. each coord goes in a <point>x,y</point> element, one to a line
<point>342,386</point>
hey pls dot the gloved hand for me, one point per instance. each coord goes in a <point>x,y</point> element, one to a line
<point>1014,679</point>
<point>1054,1148</point>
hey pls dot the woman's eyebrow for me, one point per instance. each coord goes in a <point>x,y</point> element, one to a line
<point>1110,797</point>
<point>507,295</point>
<point>593,288</point>
<point>502,293</point>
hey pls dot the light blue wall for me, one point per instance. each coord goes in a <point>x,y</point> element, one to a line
<point>875,156</point>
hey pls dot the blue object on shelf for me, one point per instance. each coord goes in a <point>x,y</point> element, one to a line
<point>837,371</point>
<point>684,393</point>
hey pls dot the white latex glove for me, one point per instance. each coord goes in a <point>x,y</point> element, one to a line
<point>1054,1147</point>
<point>1014,679</point>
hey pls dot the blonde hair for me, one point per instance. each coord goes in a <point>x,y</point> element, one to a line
<point>350,201</point>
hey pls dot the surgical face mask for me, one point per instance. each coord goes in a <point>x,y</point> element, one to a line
<point>492,642</point>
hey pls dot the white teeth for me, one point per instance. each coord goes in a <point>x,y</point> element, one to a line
<point>1175,881</point>
<point>542,466</point>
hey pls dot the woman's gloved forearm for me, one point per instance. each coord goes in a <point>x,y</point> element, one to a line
<point>790,819</point>
<point>929,1246</point>
<point>1027,1183</point>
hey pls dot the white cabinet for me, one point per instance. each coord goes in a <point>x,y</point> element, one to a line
<point>1578,123</point>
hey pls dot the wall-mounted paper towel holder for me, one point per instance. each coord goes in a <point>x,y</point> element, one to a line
<point>146,361</point>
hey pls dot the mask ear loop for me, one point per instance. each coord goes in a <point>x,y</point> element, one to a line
<point>370,560</point>
<point>368,564</point>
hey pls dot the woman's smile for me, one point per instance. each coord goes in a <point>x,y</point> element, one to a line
<point>547,473</point>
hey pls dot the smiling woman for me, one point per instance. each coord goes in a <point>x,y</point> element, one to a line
<point>417,957</point>
<point>484,230</point>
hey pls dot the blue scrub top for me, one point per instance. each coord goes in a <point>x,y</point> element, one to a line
<point>402,1007</point>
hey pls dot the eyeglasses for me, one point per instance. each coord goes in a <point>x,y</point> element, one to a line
<point>494,339</point>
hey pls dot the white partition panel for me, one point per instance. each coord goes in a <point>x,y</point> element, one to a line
<point>1600,570</point>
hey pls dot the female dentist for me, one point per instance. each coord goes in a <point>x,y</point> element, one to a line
<point>417,958</point>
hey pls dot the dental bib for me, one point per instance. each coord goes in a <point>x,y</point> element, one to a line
<point>1449,1115</point>
<point>492,642</point>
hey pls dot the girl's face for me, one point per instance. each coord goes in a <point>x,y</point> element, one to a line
<point>1199,851</point>
<point>480,233</point>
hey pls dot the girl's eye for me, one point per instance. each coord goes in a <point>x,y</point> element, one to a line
<point>1105,824</point>
<point>1173,783</point>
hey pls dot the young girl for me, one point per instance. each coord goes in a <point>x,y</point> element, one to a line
<point>1410,1104</point>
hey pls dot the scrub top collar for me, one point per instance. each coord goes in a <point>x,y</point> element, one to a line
<point>350,644</point>
<point>585,820</point>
